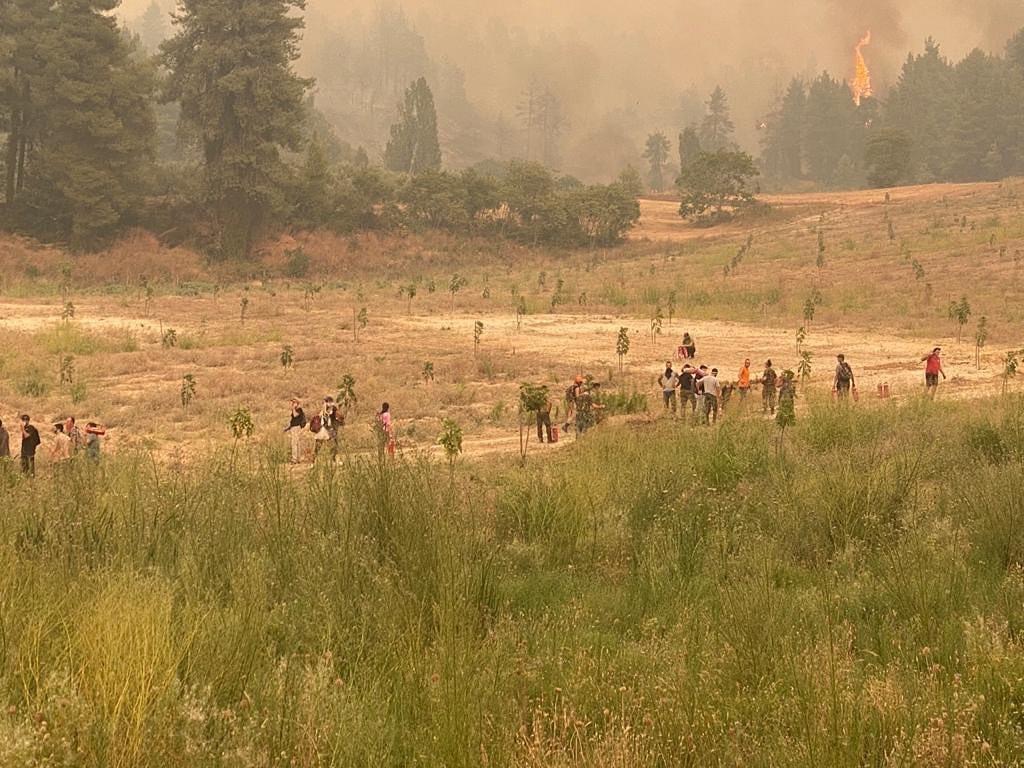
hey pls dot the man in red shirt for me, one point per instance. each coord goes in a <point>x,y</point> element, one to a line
<point>932,371</point>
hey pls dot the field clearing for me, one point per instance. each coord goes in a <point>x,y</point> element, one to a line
<point>889,270</point>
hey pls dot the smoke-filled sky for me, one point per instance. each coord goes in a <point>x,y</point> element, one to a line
<point>614,63</point>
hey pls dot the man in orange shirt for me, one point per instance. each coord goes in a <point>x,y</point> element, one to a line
<point>743,381</point>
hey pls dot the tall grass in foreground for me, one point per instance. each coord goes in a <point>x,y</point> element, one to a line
<point>649,597</point>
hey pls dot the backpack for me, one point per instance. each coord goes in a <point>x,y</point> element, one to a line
<point>315,424</point>
<point>845,372</point>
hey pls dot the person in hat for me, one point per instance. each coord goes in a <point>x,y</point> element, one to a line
<point>932,371</point>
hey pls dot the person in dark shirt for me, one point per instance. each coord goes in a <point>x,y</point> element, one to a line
<point>29,443</point>
<point>296,425</point>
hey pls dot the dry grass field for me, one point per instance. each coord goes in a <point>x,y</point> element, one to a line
<point>890,269</point>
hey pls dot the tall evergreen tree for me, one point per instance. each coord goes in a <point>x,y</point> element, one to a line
<point>153,26</point>
<point>414,146</point>
<point>791,126</point>
<point>716,130</point>
<point>656,153</point>
<point>981,132</point>
<point>833,129</point>
<point>26,28</point>
<point>93,127</point>
<point>231,68</point>
<point>921,104</point>
<point>689,146</point>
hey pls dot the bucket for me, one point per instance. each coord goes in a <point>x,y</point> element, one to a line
<point>554,433</point>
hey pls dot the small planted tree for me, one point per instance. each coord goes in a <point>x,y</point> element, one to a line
<point>960,311</point>
<point>66,370</point>
<point>451,440</point>
<point>169,340</point>
<point>188,390</point>
<point>980,337</point>
<point>243,309</point>
<point>820,261</point>
<point>656,320</point>
<point>808,311</point>
<point>456,284</point>
<point>804,366</point>
<point>428,372</point>
<point>242,428</point>
<point>1011,364</point>
<point>670,305</point>
<point>409,291</point>
<point>67,312</point>
<point>801,337</point>
<point>785,416</point>
<point>287,357</point>
<point>532,397</point>
<point>622,346</point>
<point>347,397</point>
<point>478,333</point>
<point>520,312</point>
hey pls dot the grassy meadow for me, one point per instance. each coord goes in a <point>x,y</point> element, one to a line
<point>848,593</point>
<point>851,595</point>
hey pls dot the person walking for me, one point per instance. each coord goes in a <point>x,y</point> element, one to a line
<point>743,381</point>
<point>769,382</point>
<point>295,428</point>
<point>932,371</point>
<point>712,394</point>
<point>30,441</point>
<point>5,442</point>
<point>669,381</point>
<point>544,418</point>
<point>844,381</point>
<point>94,434</point>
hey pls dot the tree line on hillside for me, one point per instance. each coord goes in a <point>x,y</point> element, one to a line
<point>83,111</point>
<point>940,122</point>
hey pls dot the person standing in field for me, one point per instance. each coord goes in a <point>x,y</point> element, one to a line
<point>572,396</point>
<point>94,434</point>
<point>5,442</point>
<point>712,394</point>
<point>62,447</point>
<point>544,418</point>
<point>932,371</point>
<point>74,435</point>
<point>669,382</point>
<point>844,381</point>
<point>386,428</point>
<point>698,389</point>
<point>30,441</point>
<point>295,428</point>
<point>743,381</point>
<point>327,435</point>
<point>769,381</point>
<point>687,380</point>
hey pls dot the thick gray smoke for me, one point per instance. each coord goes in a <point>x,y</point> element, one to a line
<point>621,70</point>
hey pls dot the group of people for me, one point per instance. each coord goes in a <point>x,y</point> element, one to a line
<point>325,426</point>
<point>68,442</point>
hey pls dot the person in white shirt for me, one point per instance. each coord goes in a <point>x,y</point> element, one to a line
<point>669,382</point>
<point>712,396</point>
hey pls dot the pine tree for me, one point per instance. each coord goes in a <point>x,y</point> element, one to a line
<point>656,153</point>
<point>93,127</point>
<point>231,68</point>
<point>414,146</point>
<point>831,130</point>
<point>978,118</point>
<point>921,105</point>
<point>791,126</point>
<point>689,146</point>
<point>716,130</point>
<point>153,26</point>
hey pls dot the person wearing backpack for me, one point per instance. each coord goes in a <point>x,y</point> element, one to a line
<point>296,425</point>
<point>769,383</point>
<point>844,381</point>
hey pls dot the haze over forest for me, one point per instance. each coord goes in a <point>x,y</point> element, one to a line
<point>616,77</point>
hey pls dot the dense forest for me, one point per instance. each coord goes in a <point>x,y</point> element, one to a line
<point>231,120</point>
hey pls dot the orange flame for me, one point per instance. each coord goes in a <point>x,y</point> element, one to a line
<point>861,85</point>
